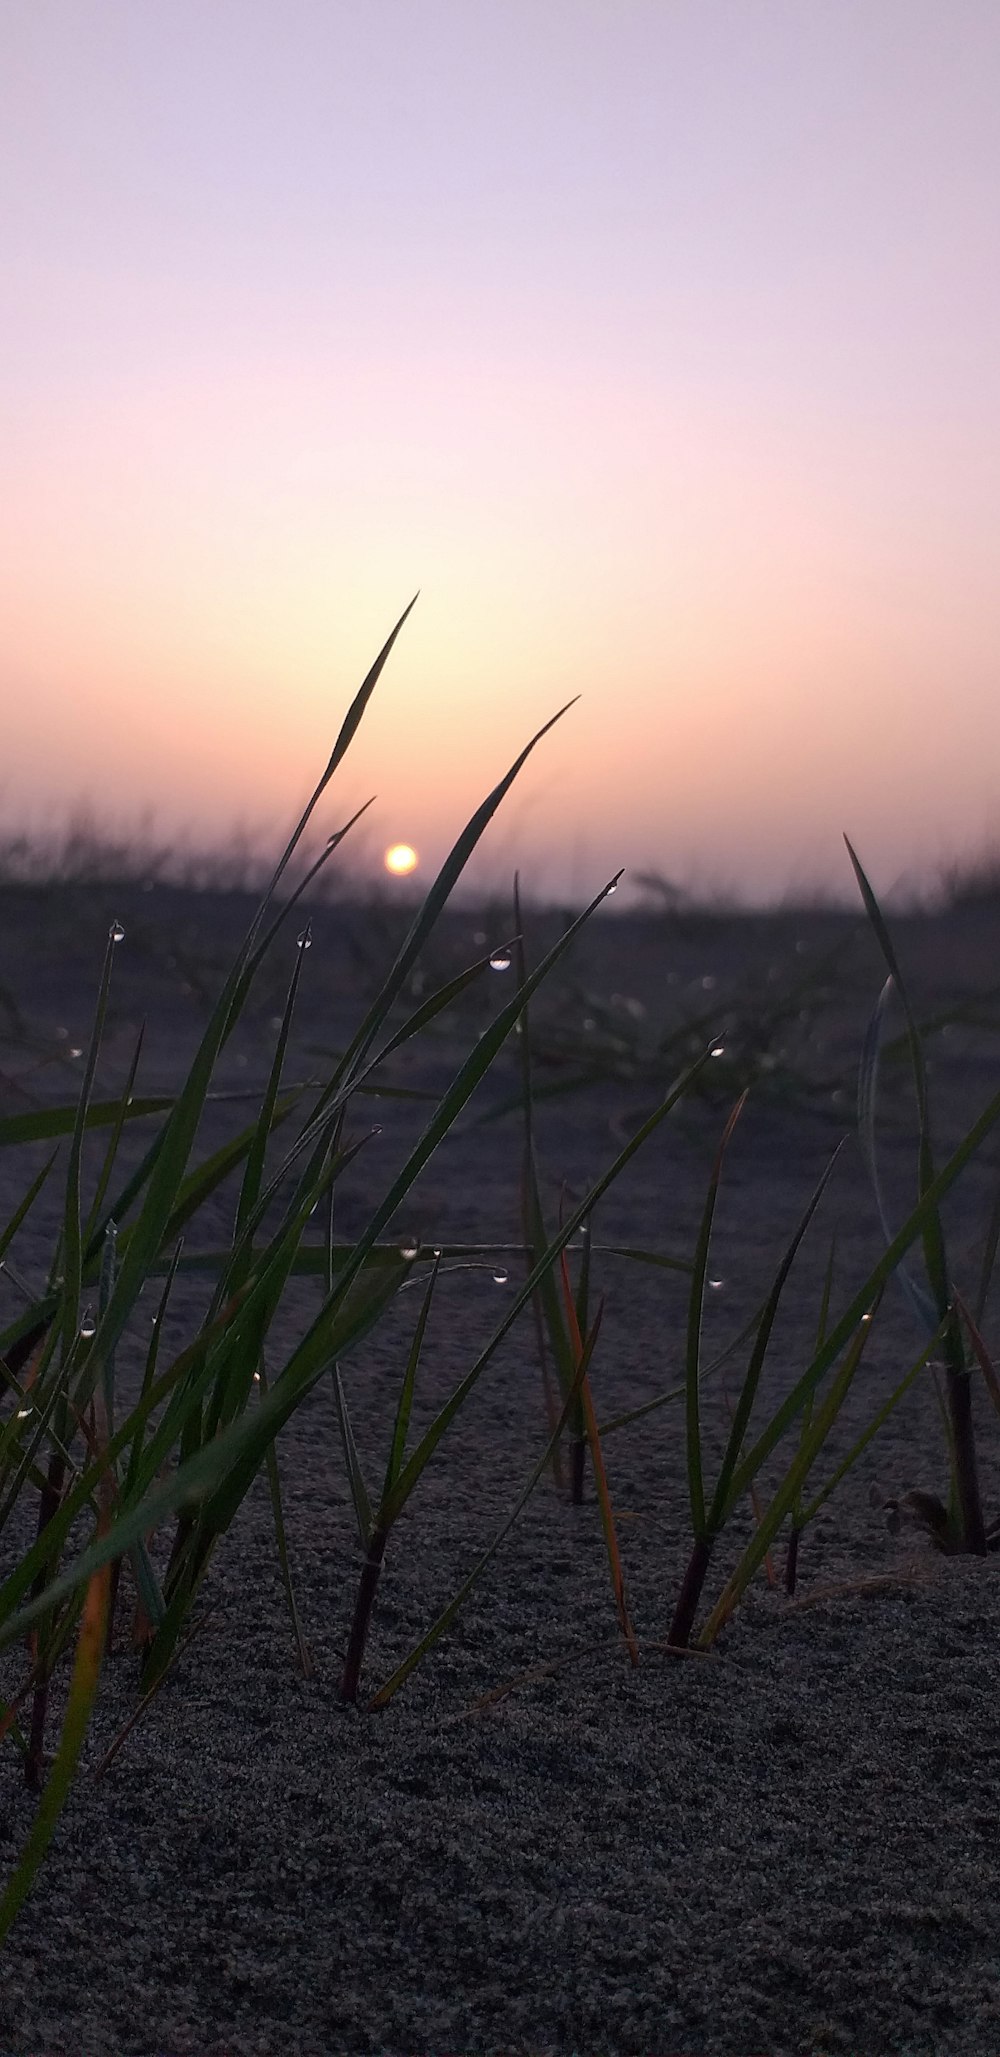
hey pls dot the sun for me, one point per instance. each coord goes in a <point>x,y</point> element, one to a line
<point>401,858</point>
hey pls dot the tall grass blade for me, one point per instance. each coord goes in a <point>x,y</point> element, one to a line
<point>82,1694</point>
<point>696,1315</point>
<point>965,1473</point>
<point>582,1353</point>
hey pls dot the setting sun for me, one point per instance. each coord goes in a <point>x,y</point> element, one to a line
<point>400,858</point>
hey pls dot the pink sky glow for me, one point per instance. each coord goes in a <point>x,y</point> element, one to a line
<point>656,342</point>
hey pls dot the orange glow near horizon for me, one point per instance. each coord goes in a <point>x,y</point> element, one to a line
<point>667,400</point>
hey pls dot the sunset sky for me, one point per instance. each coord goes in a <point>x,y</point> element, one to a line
<point>656,341</point>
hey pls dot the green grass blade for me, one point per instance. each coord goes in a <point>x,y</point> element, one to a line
<point>82,1694</point>
<point>923,1306</point>
<point>722,1505</point>
<point>117,1128</point>
<point>355,1474</point>
<point>696,1315</point>
<point>24,1207</point>
<point>791,1486</point>
<point>843,1330</point>
<point>41,1124</point>
<point>416,1462</point>
<point>172,1157</point>
<point>72,1225</point>
<point>397,1449</point>
<point>867,1435</point>
<point>305,1662</point>
<point>254,1169</point>
<point>427,915</point>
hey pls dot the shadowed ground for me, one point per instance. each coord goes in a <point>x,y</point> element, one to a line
<point>788,1845</point>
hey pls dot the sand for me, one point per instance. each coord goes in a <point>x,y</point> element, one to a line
<point>787,1846</point>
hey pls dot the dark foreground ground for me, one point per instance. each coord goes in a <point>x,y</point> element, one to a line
<point>788,1846</point>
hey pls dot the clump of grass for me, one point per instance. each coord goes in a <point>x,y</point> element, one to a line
<point>187,1450</point>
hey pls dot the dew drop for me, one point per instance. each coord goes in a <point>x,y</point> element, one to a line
<point>500,1274</point>
<point>409,1248</point>
<point>500,960</point>
<point>88,1326</point>
<point>717,1050</point>
<point>116,933</point>
<point>23,1413</point>
<point>76,1051</point>
<point>376,1129</point>
<point>435,1254</point>
<point>613,888</point>
<point>304,939</point>
<point>716,1284</point>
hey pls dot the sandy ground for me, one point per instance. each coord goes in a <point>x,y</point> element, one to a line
<point>786,1846</point>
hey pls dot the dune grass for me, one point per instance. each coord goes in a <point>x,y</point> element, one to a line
<point>104,1468</point>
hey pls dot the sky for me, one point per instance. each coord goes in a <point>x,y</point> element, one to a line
<point>656,342</point>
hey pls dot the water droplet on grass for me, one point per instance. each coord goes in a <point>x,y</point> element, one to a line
<point>500,960</point>
<point>304,939</point>
<point>716,1284</point>
<point>409,1248</point>
<point>116,933</point>
<point>76,1051</point>
<point>717,1050</point>
<point>500,1274</point>
<point>88,1326</point>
